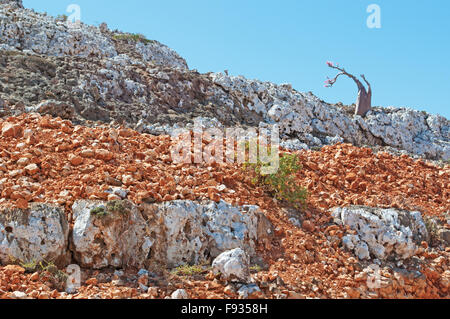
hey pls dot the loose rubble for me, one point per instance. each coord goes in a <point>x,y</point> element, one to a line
<point>87,180</point>
<point>86,73</point>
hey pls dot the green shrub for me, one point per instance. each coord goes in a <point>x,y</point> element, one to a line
<point>282,184</point>
<point>433,229</point>
<point>187,270</point>
<point>134,37</point>
<point>62,17</point>
<point>115,206</point>
<point>30,266</point>
<point>99,211</point>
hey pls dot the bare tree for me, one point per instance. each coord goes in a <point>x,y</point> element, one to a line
<point>364,102</point>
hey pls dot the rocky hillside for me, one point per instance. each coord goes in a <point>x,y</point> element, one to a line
<point>87,179</point>
<point>89,73</point>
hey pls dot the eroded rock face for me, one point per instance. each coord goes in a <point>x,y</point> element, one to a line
<point>100,75</point>
<point>17,3</point>
<point>190,232</point>
<point>25,30</point>
<point>120,234</point>
<point>34,235</point>
<point>316,122</point>
<point>382,233</point>
<point>109,234</point>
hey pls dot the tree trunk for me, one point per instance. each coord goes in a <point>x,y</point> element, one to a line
<point>364,102</point>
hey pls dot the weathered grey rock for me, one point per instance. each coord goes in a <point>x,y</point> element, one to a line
<point>180,294</point>
<point>122,193</point>
<point>251,291</point>
<point>28,31</point>
<point>34,235</point>
<point>54,108</point>
<point>233,265</point>
<point>304,115</point>
<point>17,3</point>
<point>160,54</point>
<point>113,234</point>
<point>120,234</point>
<point>382,233</point>
<point>188,232</point>
<point>146,85</point>
<point>444,235</point>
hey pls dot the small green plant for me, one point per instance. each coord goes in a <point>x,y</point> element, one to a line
<point>57,276</point>
<point>433,229</point>
<point>115,206</point>
<point>134,37</point>
<point>30,266</point>
<point>187,270</point>
<point>99,211</point>
<point>62,17</point>
<point>282,184</point>
<point>256,269</point>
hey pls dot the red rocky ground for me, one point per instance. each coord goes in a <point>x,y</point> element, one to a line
<point>45,159</point>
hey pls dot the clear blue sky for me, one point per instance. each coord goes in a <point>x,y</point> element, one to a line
<point>289,41</point>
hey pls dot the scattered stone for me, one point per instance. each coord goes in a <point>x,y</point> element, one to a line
<point>11,130</point>
<point>19,295</point>
<point>32,169</point>
<point>75,160</point>
<point>180,294</point>
<point>309,226</point>
<point>233,264</point>
<point>251,291</point>
<point>444,235</point>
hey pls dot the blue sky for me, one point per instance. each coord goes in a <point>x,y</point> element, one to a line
<point>289,41</point>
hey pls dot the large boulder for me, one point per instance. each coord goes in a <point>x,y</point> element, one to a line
<point>109,234</point>
<point>188,232</point>
<point>40,233</point>
<point>385,234</point>
<point>121,235</point>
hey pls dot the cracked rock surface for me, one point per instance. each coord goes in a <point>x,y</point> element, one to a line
<point>87,73</point>
<point>382,233</point>
<point>34,235</point>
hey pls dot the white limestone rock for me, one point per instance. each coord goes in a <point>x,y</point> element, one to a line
<point>160,54</point>
<point>25,30</point>
<point>233,265</point>
<point>180,294</point>
<point>113,234</point>
<point>251,291</point>
<point>120,234</point>
<point>382,233</point>
<point>34,235</point>
<point>315,122</point>
<point>188,232</point>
